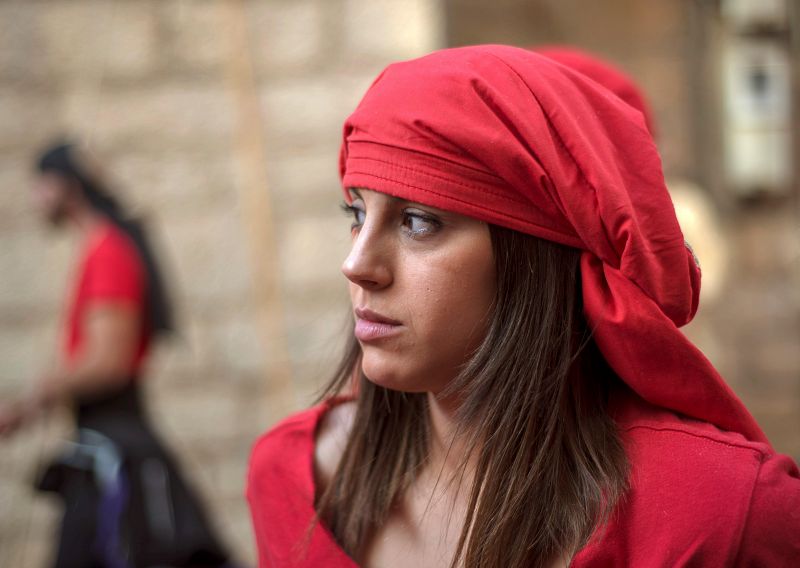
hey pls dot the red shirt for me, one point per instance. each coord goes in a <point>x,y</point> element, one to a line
<point>699,496</point>
<point>110,272</point>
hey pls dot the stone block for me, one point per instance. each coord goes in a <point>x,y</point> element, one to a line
<point>386,30</point>
<point>183,359</point>
<point>197,35</point>
<point>315,324</point>
<point>231,518</point>
<point>204,415</point>
<point>24,116</point>
<point>778,362</point>
<point>779,416</point>
<point>663,80</point>
<point>302,114</point>
<point>153,118</point>
<point>353,84</point>
<point>178,183</point>
<point>231,473</point>
<point>312,251</point>
<point>596,25</point>
<point>285,36</point>
<point>27,350</point>
<point>211,260</point>
<point>23,57</point>
<point>16,204</point>
<point>26,517</point>
<point>95,40</point>
<point>305,184</point>
<point>701,332</point>
<point>27,541</point>
<point>238,528</point>
<point>304,117</point>
<point>236,344</point>
<point>35,271</point>
<point>311,376</point>
<point>219,346</point>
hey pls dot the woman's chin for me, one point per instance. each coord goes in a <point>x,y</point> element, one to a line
<point>389,377</point>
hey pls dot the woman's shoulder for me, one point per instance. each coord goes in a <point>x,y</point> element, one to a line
<point>281,487</point>
<point>649,430</point>
<point>694,484</point>
<point>292,450</point>
<point>771,535</point>
<point>283,446</point>
<point>693,468</point>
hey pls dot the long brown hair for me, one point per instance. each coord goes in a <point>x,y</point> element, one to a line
<point>536,386</point>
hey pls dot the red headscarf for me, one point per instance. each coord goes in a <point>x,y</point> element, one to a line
<point>508,136</point>
<point>604,73</point>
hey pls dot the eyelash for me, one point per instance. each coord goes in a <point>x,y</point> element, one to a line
<point>354,212</point>
<point>435,224</point>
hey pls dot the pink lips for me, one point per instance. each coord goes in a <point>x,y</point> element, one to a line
<point>371,326</point>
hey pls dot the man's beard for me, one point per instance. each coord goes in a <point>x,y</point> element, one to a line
<point>57,216</point>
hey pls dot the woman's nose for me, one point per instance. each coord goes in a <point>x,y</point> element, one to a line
<point>368,264</point>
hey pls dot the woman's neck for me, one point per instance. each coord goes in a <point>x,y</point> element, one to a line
<point>448,445</point>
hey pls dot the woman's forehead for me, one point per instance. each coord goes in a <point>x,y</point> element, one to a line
<point>355,193</point>
<point>372,194</point>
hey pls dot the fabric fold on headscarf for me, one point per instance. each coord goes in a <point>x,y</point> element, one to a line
<point>512,138</point>
<point>606,74</point>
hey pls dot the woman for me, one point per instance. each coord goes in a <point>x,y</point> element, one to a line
<point>522,393</point>
<point>125,502</point>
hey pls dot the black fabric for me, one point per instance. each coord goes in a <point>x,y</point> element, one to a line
<point>76,540</point>
<point>164,523</point>
<point>59,158</point>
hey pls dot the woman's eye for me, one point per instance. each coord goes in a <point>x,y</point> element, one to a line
<point>420,224</point>
<point>356,213</point>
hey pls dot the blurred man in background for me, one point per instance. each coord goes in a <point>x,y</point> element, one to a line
<point>125,502</point>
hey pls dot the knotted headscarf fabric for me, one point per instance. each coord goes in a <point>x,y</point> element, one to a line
<point>512,138</point>
<point>603,72</point>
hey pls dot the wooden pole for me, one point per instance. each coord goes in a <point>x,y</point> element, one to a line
<point>256,207</point>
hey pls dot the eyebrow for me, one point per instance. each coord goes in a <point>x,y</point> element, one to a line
<point>356,193</point>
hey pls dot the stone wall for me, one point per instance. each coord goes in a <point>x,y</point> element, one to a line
<point>178,97</point>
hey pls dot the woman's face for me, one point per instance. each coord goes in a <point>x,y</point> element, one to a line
<point>422,282</point>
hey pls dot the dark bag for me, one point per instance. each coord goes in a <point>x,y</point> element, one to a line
<point>126,502</point>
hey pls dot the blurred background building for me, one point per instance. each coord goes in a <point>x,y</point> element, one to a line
<point>220,120</point>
